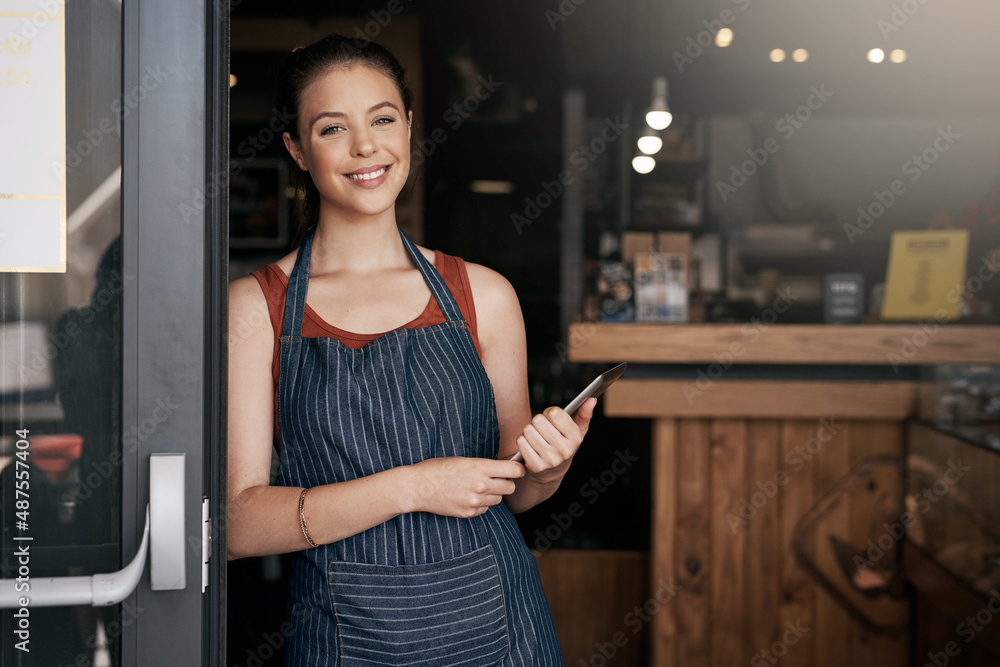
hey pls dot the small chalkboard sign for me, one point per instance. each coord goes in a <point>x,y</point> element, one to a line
<point>843,298</point>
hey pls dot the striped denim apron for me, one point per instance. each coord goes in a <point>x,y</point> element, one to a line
<point>419,589</point>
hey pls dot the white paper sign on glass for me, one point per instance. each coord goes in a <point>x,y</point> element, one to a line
<point>33,136</point>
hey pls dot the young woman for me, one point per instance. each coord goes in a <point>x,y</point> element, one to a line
<point>392,380</point>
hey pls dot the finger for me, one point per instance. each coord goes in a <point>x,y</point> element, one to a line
<point>543,423</point>
<point>538,443</point>
<point>532,460</point>
<point>563,421</point>
<point>551,454</point>
<point>585,414</point>
<point>562,445</point>
<point>502,487</point>
<point>505,469</point>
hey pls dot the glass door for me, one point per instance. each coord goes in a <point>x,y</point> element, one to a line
<point>112,295</point>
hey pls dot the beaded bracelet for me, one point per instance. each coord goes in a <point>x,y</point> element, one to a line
<point>302,517</point>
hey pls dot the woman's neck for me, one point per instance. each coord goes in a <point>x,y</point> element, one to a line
<point>358,245</point>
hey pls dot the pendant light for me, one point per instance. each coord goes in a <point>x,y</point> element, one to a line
<point>650,142</point>
<point>659,117</point>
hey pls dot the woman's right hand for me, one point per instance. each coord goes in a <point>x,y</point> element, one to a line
<point>460,486</point>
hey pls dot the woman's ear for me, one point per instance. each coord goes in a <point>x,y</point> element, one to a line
<point>294,150</point>
<point>409,124</point>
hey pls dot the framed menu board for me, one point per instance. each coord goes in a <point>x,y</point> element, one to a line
<point>33,136</point>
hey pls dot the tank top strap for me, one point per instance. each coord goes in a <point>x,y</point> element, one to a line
<point>435,282</point>
<point>298,287</point>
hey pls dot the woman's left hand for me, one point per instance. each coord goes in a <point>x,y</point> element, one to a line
<point>550,441</point>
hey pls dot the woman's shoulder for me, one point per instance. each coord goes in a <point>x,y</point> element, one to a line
<point>489,283</point>
<point>497,307</point>
<point>263,288</point>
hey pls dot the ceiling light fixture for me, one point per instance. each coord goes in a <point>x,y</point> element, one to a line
<point>650,142</point>
<point>659,117</point>
<point>643,163</point>
<point>724,38</point>
<point>800,55</point>
<point>876,56</point>
<point>489,187</point>
<point>777,55</point>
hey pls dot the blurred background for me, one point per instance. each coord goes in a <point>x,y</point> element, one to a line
<point>802,135</point>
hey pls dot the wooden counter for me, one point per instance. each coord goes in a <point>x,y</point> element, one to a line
<point>724,530</point>
<point>760,343</point>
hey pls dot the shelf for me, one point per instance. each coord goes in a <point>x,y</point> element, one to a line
<point>750,343</point>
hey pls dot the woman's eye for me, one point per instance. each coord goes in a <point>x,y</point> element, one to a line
<point>385,121</point>
<point>333,129</point>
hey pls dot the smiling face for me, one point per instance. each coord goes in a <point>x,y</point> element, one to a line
<point>354,140</point>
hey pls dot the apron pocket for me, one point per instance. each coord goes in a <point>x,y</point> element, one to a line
<point>445,613</point>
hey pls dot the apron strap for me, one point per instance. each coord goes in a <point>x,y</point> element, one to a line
<point>298,286</point>
<point>435,282</point>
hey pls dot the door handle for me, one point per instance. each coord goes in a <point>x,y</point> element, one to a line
<point>166,495</point>
<point>98,590</point>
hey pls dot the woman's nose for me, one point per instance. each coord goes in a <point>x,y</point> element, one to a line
<point>364,143</point>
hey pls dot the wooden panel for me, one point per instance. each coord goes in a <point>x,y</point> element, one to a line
<point>761,399</point>
<point>764,549</point>
<point>796,620</point>
<point>593,595</point>
<point>869,439</point>
<point>692,542</point>
<point>833,462</point>
<point>728,556</point>
<point>739,489</point>
<point>664,490</point>
<point>881,344</point>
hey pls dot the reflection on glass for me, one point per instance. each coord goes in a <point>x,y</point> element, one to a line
<point>60,368</point>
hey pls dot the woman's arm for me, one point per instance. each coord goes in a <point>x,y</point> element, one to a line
<point>263,519</point>
<point>549,440</point>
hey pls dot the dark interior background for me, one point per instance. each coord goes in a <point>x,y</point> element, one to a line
<point>725,101</point>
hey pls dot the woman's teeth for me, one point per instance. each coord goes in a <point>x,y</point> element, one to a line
<point>367,177</point>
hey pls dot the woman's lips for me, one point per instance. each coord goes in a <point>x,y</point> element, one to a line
<point>370,177</point>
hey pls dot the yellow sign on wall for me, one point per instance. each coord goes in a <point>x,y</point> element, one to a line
<point>926,274</point>
<point>33,136</point>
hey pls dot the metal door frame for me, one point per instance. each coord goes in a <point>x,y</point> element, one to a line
<point>174,240</point>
